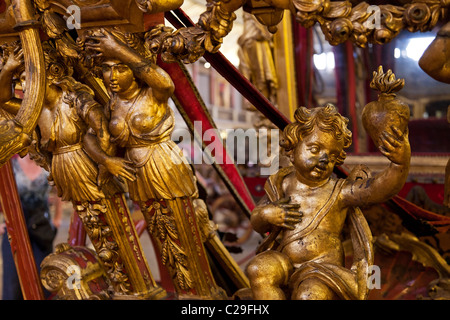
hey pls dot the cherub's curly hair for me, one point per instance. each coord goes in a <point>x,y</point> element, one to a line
<point>326,118</point>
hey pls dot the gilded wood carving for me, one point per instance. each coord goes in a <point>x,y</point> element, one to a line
<point>305,209</point>
<point>95,114</point>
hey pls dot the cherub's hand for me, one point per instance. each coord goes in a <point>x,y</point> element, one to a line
<point>283,214</point>
<point>106,45</point>
<point>15,60</point>
<point>395,146</point>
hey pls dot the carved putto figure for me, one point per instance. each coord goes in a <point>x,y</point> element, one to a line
<point>305,209</point>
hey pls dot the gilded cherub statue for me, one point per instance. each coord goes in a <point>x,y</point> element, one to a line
<point>306,206</point>
<point>63,146</point>
<point>141,122</point>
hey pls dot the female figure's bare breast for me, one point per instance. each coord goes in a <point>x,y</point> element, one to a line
<point>144,115</point>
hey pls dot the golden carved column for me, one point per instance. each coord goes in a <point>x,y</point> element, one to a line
<point>173,225</point>
<point>111,230</point>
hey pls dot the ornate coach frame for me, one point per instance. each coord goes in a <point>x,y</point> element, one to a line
<point>31,21</point>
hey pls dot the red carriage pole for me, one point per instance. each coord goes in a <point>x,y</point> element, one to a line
<point>77,233</point>
<point>18,236</point>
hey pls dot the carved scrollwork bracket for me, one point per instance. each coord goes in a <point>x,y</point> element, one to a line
<point>189,44</point>
<point>363,23</point>
<point>339,20</point>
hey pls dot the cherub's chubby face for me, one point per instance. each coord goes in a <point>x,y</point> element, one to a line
<point>315,156</point>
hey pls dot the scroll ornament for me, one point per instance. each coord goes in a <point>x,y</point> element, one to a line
<point>339,20</point>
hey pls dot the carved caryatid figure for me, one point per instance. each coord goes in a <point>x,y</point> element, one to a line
<point>62,147</point>
<point>141,122</point>
<point>256,60</point>
<point>306,207</point>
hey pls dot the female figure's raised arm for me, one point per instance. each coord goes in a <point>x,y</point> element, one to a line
<point>155,77</point>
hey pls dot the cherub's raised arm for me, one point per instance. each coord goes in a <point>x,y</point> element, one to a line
<point>387,183</point>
